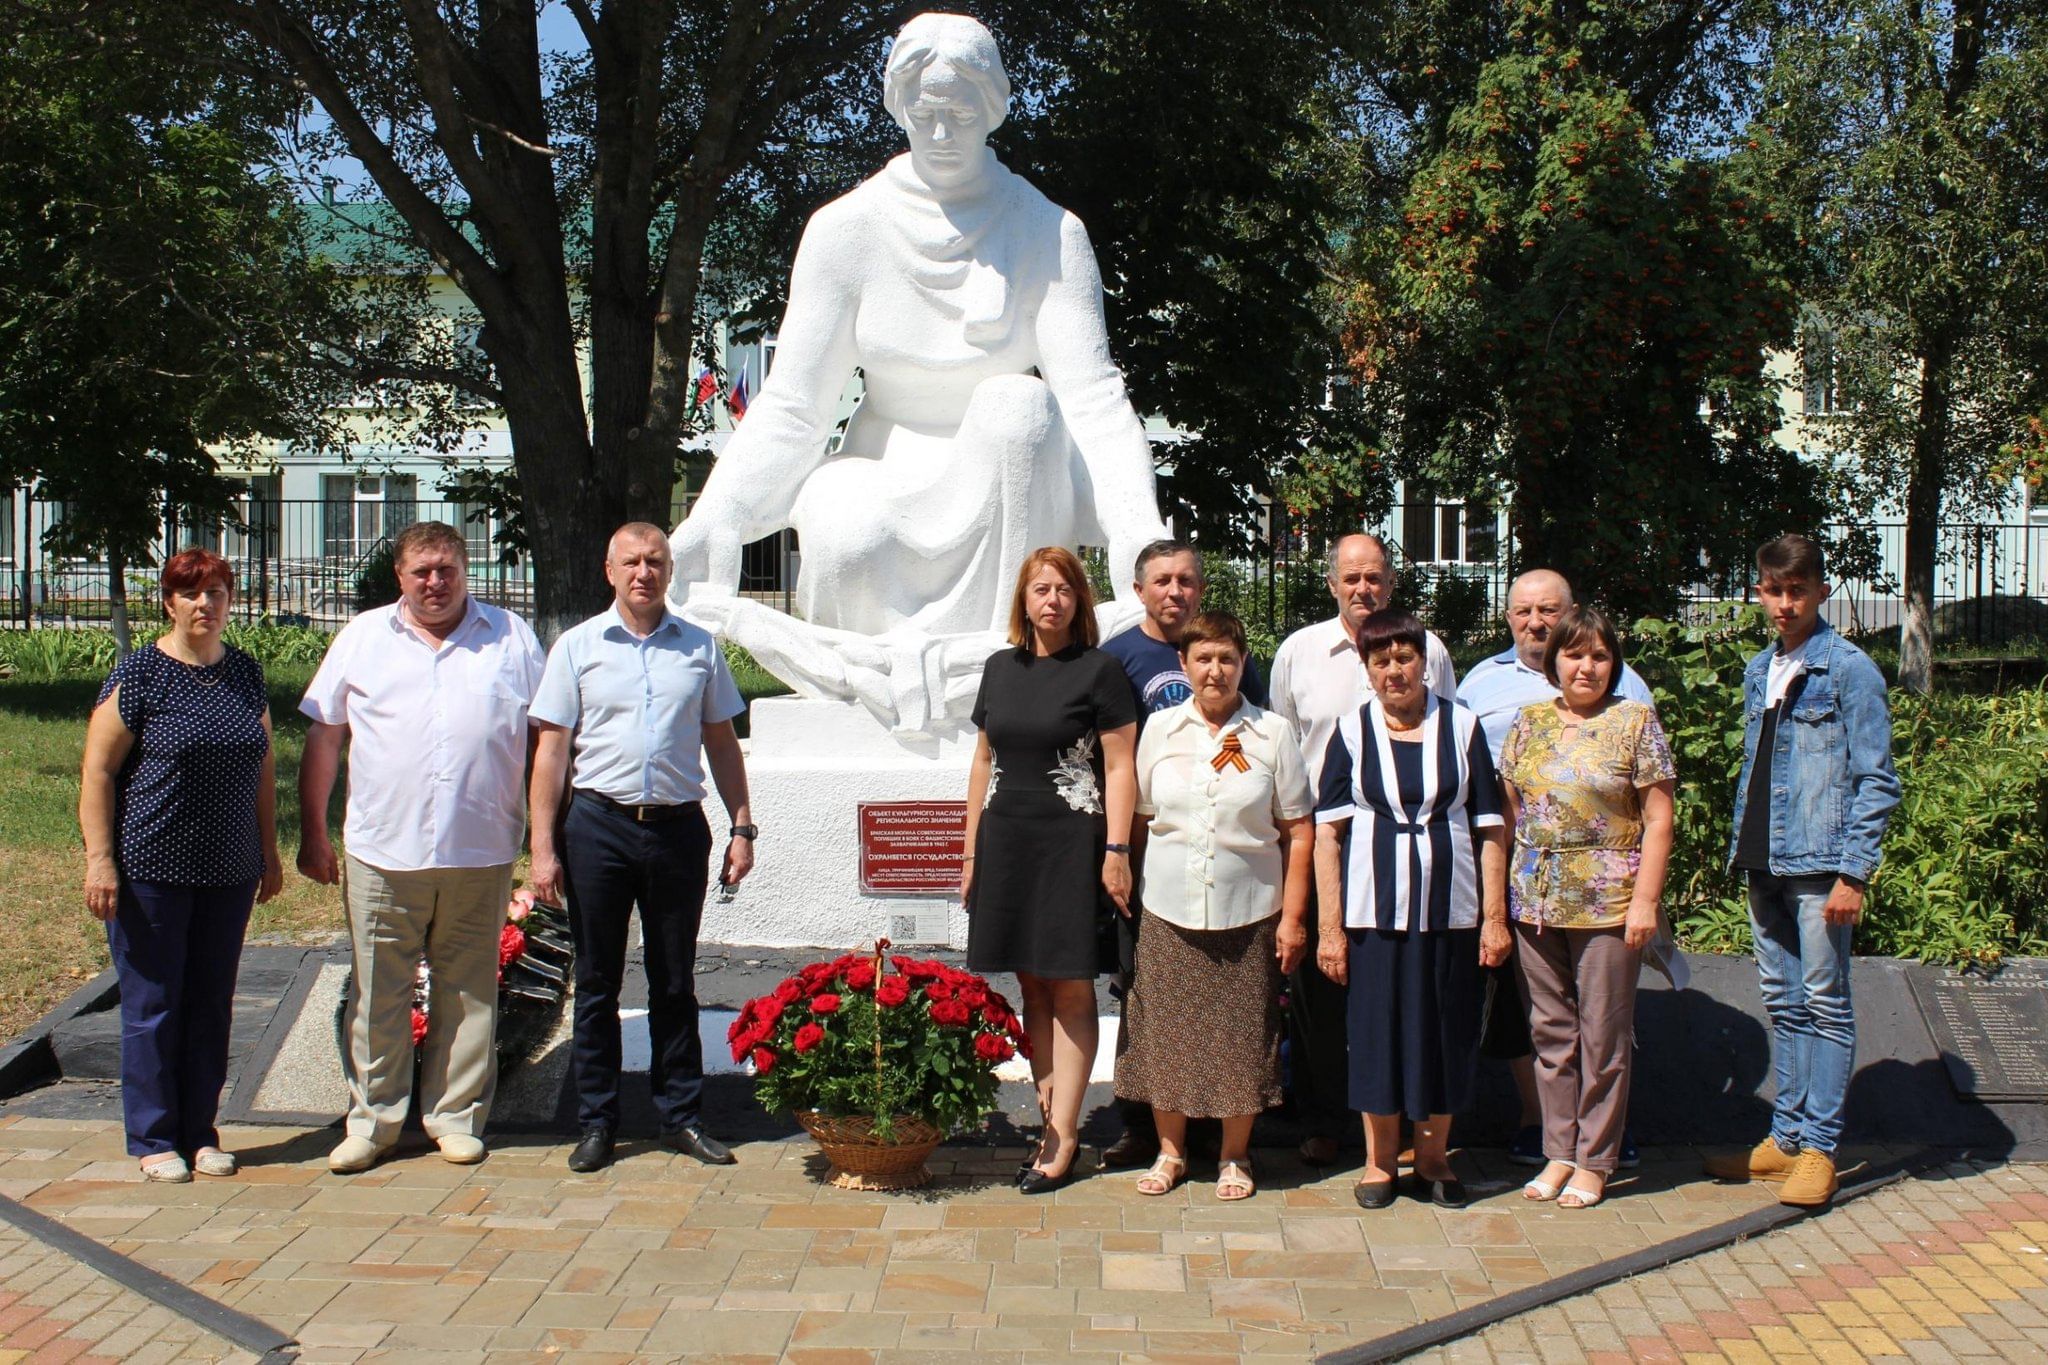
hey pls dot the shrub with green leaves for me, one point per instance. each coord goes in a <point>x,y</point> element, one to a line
<point>1696,671</point>
<point>1965,874</point>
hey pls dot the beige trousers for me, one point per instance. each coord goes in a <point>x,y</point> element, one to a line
<point>451,916</point>
<point>1580,987</point>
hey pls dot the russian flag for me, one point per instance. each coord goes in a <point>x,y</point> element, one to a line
<point>736,401</point>
<point>707,386</point>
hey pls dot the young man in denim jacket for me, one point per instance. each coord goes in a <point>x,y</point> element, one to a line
<point>1816,788</point>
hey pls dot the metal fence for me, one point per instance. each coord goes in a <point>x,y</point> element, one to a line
<point>316,561</point>
<point>297,561</point>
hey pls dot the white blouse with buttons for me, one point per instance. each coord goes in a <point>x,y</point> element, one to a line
<point>1212,852</point>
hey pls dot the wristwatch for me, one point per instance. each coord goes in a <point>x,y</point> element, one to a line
<point>746,832</point>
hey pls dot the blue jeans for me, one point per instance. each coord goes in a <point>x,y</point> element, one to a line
<point>177,951</point>
<point>1803,967</point>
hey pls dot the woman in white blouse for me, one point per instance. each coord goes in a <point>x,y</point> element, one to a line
<point>1227,843</point>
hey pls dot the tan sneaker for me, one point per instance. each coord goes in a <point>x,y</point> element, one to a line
<point>1812,1183</point>
<point>353,1154</point>
<point>1765,1161</point>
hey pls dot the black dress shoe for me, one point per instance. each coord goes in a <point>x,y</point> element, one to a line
<point>1445,1194</point>
<point>594,1153</point>
<point>692,1140</point>
<point>1035,1181</point>
<point>1375,1194</point>
<point>1135,1148</point>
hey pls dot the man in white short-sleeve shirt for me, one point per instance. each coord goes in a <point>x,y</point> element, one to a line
<point>429,696</point>
<point>1317,679</point>
<point>636,703</point>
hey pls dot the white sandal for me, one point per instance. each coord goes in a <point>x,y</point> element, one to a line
<point>1540,1191</point>
<point>1572,1197</point>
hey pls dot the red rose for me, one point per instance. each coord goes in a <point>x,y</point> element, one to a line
<point>992,1047</point>
<point>892,991</point>
<point>996,1015</point>
<point>824,1004</point>
<point>938,990</point>
<point>764,1061</point>
<point>974,994</point>
<point>770,1010</point>
<point>816,975</point>
<point>741,1023</point>
<point>790,991</point>
<point>951,1013</point>
<point>808,1037</point>
<point>419,1026</point>
<point>861,976</point>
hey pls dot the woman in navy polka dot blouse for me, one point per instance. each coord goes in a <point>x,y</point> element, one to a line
<point>179,811</point>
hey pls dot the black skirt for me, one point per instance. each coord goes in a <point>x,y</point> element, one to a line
<point>1413,1020</point>
<point>1037,902</point>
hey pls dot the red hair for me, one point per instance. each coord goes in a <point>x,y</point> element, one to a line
<point>1064,562</point>
<point>193,568</point>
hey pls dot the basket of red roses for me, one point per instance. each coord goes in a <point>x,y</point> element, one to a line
<point>880,1057</point>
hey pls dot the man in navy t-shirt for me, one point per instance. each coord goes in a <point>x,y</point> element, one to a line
<point>1168,579</point>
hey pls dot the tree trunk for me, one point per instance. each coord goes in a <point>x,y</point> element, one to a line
<point>1923,517</point>
<point>117,602</point>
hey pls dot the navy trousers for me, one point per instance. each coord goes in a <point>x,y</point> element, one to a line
<point>613,862</point>
<point>177,950</point>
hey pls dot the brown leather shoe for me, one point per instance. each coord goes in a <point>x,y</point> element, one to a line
<point>1765,1161</point>
<point>1812,1183</point>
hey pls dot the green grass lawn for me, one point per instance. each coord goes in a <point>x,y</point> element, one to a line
<point>49,945</point>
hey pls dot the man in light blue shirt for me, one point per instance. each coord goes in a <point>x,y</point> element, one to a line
<point>1497,689</point>
<point>634,704</point>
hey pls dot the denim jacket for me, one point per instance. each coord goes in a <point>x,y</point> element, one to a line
<point>1832,784</point>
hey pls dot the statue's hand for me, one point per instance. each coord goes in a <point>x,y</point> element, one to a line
<point>707,559</point>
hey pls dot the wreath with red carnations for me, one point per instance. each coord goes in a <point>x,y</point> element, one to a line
<point>878,1036</point>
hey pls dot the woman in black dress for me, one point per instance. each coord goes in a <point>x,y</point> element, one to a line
<point>1049,804</point>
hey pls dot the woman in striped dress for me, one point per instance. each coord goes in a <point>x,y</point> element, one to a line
<point>1411,844</point>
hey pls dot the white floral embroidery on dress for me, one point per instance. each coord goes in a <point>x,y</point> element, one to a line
<point>1074,778</point>
<point>995,775</point>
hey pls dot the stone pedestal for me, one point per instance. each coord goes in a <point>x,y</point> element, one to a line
<point>809,766</point>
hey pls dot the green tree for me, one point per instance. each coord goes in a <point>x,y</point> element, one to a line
<point>630,191</point>
<point>1913,137</point>
<point>153,295</point>
<point>1573,302</point>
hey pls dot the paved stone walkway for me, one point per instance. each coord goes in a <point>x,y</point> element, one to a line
<point>420,1260</point>
<point>1952,1266</point>
<point>54,1309</point>
<point>659,1257</point>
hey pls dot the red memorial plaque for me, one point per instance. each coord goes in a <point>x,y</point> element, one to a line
<point>911,848</point>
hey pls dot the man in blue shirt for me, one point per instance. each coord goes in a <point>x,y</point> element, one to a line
<point>1168,580</point>
<point>1497,689</point>
<point>635,703</point>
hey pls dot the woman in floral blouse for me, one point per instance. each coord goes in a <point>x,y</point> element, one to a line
<point>1589,781</point>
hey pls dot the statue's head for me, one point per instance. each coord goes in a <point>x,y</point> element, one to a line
<point>944,85</point>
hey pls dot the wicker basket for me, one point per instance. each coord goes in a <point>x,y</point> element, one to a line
<point>862,1161</point>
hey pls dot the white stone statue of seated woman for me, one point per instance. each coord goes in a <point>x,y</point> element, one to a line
<point>992,419</point>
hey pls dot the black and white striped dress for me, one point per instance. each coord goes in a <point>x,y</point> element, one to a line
<point>1414,811</point>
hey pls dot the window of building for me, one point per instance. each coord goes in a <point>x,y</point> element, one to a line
<point>1433,532</point>
<point>1821,384</point>
<point>358,511</point>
